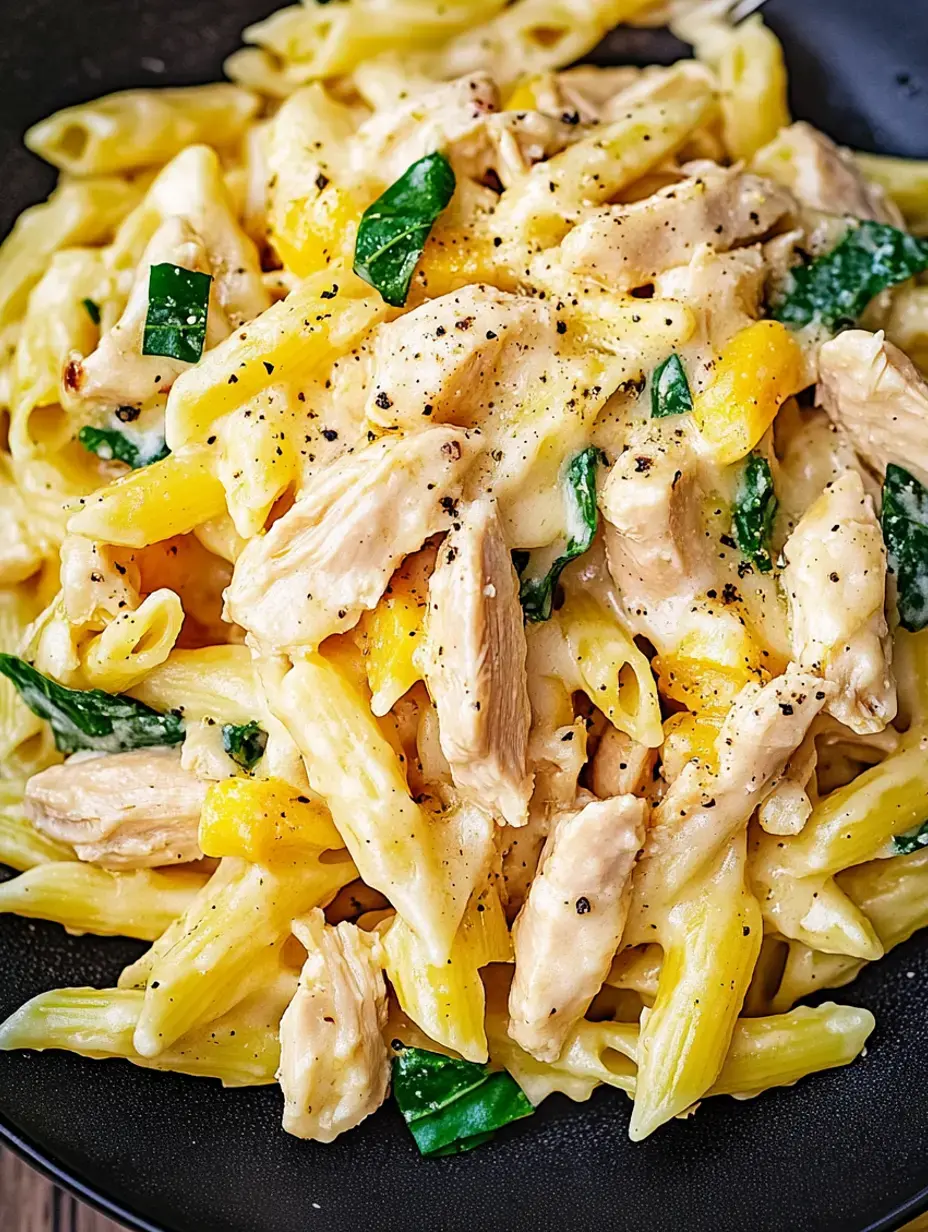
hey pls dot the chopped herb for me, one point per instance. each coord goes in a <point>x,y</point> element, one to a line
<point>537,593</point>
<point>92,309</point>
<point>670,390</point>
<point>754,511</point>
<point>178,305</point>
<point>136,449</point>
<point>245,744</point>
<point>393,231</point>
<point>452,1106</point>
<point>912,840</point>
<point>905,532</point>
<point>90,719</point>
<point>835,289</point>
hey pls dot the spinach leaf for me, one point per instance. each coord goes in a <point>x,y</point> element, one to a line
<point>90,719</point>
<point>670,390</point>
<point>905,532</point>
<point>393,231</point>
<point>452,1106</point>
<point>178,305</point>
<point>835,289</point>
<point>537,593</point>
<point>914,840</point>
<point>245,744</point>
<point>137,449</point>
<point>753,512</point>
<point>92,308</point>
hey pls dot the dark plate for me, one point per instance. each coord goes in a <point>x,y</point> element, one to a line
<point>842,1152</point>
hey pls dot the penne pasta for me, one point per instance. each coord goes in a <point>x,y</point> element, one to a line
<point>228,942</point>
<point>77,212</point>
<point>86,899</point>
<point>140,128</point>
<point>165,499</point>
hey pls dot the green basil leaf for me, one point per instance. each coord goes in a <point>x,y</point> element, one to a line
<point>245,744</point>
<point>90,719</point>
<point>178,305</point>
<point>754,511</point>
<point>537,593</point>
<point>452,1106</point>
<point>835,289</point>
<point>913,840</point>
<point>136,449</point>
<point>393,231</point>
<point>93,310</point>
<point>670,390</point>
<point>905,532</point>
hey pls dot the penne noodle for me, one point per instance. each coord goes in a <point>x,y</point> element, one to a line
<point>86,899</point>
<point>230,934</point>
<point>139,128</point>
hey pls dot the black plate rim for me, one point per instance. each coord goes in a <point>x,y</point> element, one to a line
<point>23,1146</point>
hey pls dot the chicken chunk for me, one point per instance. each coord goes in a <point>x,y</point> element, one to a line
<point>823,175</point>
<point>835,581</point>
<point>702,811</point>
<point>626,246</point>
<point>448,117</point>
<point>334,1063</point>
<point>330,557</point>
<point>98,581</point>
<point>120,810</point>
<point>880,399</point>
<point>567,933</point>
<point>443,361</point>
<point>651,505</point>
<point>473,660</point>
<point>621,766</point>
<point>726,290</point>
<point>117,373</point>
<point>463,119</point>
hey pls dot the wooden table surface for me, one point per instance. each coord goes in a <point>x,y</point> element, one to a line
<point>29,1203</point>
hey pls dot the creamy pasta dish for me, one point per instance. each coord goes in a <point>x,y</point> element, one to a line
<point>465,567</point>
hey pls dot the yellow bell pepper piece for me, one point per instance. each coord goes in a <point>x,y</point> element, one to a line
<point>757,371</point>
<point>389,635</point>
<point>711,665</point>
<point>688,737</point>
<point>309,235</point>
<point>522,96</point>
<point>258,819</point>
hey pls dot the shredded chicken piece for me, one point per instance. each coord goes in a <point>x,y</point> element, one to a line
<point>473,660</point>
<point>875,393</point>
<point>702,811</point>
<point>463,119</point>
<point>585,90</point>
<point>117,373</point>
<point>334,1063</point>
<point>556,758</point>
<point>621,766</point>
<point>443,361</point>
<point>823,175</point>
<point>835,580</point>
<point>447,117</point>
<point>330,557</point>
<point>812,451</point>
<point>120,810</point>
<point>788,807</point>
<point>627,246</point>
<point>97,581</point>
<point>567,933</point>
<point>726,290</point>
<point>651,505</point>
